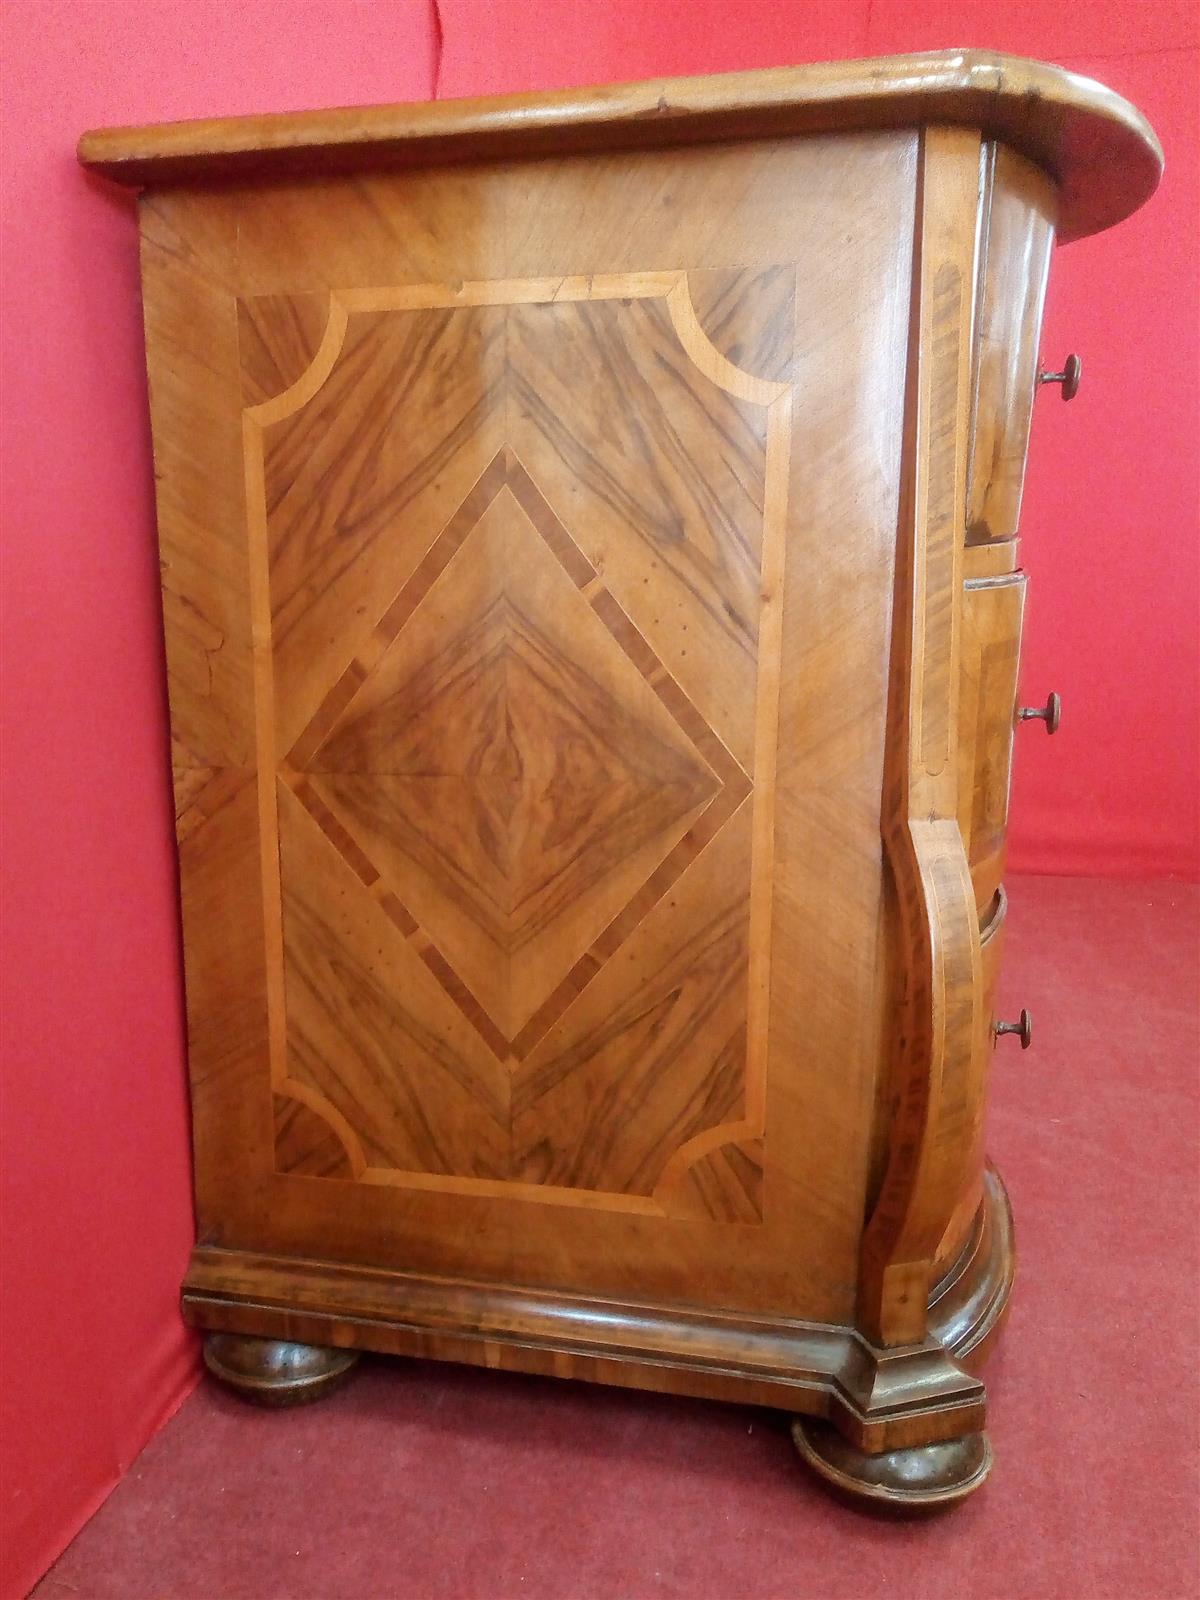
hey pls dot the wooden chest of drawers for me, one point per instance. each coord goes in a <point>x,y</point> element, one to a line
<point>588,531</point>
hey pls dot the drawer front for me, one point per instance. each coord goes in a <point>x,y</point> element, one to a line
<point>1014,261</point>
<point>990,952</point>
<point>990,656</point>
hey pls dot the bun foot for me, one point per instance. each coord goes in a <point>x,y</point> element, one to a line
<point>275,1372</point>
<point>924,1478</point>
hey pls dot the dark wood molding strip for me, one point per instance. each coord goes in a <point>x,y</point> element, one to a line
<point>883,1399</point>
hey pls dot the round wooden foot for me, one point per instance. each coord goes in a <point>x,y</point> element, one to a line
<point>925,1478</point>
<point>275,1372</point>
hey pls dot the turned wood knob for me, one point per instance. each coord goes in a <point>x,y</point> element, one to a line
<point>1069,377</point>
<point>1023,1029</point>
<point>1050,713</point>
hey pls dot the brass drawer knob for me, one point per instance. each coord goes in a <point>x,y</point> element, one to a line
<point>1069,377</point>
<point>1050,713</point>
<point>1023,1029</point>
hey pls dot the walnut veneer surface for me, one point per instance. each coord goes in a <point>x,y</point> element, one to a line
<point>588,530</point>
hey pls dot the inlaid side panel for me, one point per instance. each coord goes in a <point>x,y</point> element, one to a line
<point>524,903</point>
<point>527,574</point>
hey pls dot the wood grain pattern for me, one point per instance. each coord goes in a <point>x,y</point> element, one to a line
<point>881,1399</point>
<point>278,339</point>
<point>357,249</point>
<point>359,477</point>
<point>191,327</point>
<point>655,1052</point>
<point>1100,151</point>
<point>591,641</point>
<point>680,539</point>
<point>306,1143</point>
<point>937,1057</point>
<point>969,1205</point>
<point>508,768</point>
<point>509,771</point>
<point>992,611</point>
<point>748,316</point>
<point>994,560</point>
<point>1019,210</point>
<point>369,1029</point>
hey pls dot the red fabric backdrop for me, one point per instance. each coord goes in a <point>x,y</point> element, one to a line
<point>96,1187</point>
<point>96,1192</point>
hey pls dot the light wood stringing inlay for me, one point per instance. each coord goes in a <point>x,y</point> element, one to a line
<point>429,768</point>
<point>503,741</point>
<point>731,215</point>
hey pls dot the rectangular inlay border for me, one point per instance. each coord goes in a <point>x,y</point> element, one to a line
<point>506,470</point>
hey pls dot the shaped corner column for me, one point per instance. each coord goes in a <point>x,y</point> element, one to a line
<point>937,1067</point>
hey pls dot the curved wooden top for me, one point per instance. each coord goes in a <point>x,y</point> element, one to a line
<point>1099,149</point>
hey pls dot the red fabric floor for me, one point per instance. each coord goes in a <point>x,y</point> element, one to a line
<point>436,1483</point>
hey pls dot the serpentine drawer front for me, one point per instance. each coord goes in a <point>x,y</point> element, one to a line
<point>588,531</point>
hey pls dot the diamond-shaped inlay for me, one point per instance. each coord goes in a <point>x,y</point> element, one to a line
<point>516,770</point>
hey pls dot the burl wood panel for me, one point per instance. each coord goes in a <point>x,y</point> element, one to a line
<point>528,583</point>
